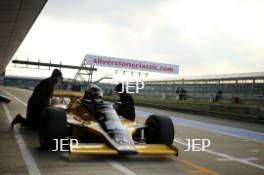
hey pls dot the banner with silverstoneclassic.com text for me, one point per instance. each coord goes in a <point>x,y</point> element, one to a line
<point>122,63</point>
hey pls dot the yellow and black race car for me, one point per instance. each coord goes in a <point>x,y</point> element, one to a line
<point>100,130</point>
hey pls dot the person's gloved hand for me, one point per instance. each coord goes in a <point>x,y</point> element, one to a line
<point>115,105</point>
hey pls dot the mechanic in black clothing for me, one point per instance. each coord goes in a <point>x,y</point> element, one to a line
<point>126,108</point>
<point>38,101</point>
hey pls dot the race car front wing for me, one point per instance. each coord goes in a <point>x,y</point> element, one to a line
<point>104,149</point>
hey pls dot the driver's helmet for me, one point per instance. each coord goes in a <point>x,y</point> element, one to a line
<point>94,93</point>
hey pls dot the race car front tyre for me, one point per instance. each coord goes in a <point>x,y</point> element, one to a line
<point>53,126</point>
<point>160,130</point>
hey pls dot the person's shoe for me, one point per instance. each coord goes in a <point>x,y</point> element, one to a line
<point>18,119</point>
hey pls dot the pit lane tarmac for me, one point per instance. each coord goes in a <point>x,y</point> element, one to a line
<point>236,147</point>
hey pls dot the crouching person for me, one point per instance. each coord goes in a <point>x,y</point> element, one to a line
<point>125,107</point>
<point>38,101</point>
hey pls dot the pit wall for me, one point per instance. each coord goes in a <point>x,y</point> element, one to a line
<point>237,112</point>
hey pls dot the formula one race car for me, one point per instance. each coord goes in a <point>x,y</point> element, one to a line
<point>99,130</point>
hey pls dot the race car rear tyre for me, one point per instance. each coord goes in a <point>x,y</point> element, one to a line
<point>53,126</point>
<point>160,130</point>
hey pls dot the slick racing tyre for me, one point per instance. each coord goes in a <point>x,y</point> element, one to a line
<point>160,130</point>
<point>53,126</point>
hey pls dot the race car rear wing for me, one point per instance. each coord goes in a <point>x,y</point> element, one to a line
<point>67,93</point>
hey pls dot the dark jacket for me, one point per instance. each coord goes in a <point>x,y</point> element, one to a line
<point>126,108</point>
<point>38,101</point>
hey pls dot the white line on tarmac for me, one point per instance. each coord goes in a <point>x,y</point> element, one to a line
<point>248,159</point>
<point>222,155</point>
<point>121,168</point>
<point>114,164</point>
<point>29,160</point>
<point>19,89</point>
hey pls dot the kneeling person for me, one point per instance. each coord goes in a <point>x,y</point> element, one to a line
<point>38,101</point>
<point>126,108</point>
